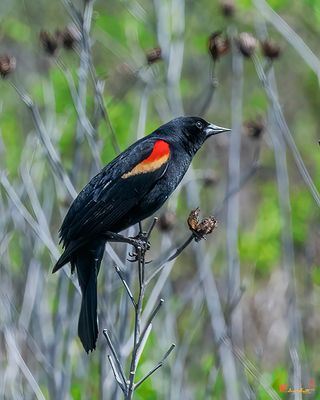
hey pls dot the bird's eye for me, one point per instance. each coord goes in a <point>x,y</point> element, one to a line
<point>199,125</point>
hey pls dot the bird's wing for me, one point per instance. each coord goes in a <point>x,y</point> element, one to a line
<point>112,193</point>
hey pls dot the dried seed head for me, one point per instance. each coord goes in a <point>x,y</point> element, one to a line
<point>246,44</point>
<point>49,42</point>
<point>153,55</point>
<point>210,179</point>
<point>167,221</point>
<point>201,228</point>
<point>255,128</point>
<point>270,50</point>
<point>69,37</point>
<point>217,45</point>
<point>193,219</point>
<point>227,8</point>
<point>7,65</point>
<point>207,226</point>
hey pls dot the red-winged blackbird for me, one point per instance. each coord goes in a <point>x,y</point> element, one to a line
<point>127,190</point>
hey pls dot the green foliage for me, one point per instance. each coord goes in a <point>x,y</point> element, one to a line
<point>16,30</point>
<point>316,275</point>
<point>11,135</point>
<point>14,251</point>
<point>302,210</point>
<point>261,245</point>
<point>120,38</point>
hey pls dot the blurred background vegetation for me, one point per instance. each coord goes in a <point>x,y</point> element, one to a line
<point>242,307</point>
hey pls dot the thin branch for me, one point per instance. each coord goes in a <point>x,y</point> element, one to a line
<point>83,71</point>
<point>290,35</point>
<point>143,343</point>
<point>149,321</point>
<point>176,253</point>
<point>52,155</point>
<point>12,346</point>
<point>252,370</point>
<point>115,355</point>
<point>42,234</point>
<point>118,271</point>
<point>153,224</point>
<point>137,324</point>
<point>86,125</point>
<point>284,129</point>
<point>115,373</point>
<point>154,369</point>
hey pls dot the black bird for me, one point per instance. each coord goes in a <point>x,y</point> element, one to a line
<point>127,190</point>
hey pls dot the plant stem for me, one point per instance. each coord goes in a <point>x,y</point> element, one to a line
<point>137,324</point>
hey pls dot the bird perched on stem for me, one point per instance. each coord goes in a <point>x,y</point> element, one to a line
<point>129,189</point>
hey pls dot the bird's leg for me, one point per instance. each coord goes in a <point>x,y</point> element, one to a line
<point>143,240</point>
<point>140,241</point>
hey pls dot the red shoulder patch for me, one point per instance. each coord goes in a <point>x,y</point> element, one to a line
<point>158,156</point>
<point>160,149</point>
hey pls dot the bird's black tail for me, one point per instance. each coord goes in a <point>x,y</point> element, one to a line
<point>87,260</point>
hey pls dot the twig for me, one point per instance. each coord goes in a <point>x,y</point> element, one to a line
<point>86,125</point>
<point>176,253</point>
<point>118,270</point>
<point>284,129</point>
<point>234,190</point>
<point>12,346</point>
<point>218,325</point>
<point>42,234</point>
<point>105,114</point>
<point>252,370</point>
<point>143,343</point>
<point>149,321</point>
<point>159,365</point>
<point>290,35</point>
<point>115,355</point>
<point>115,373</point>
<point>153,224</point>
<point>295,338</point>
<point>51,153</point>
<point>137,324</point>
<point>83,71</point>
<point>233,271</point>
<point>208,92</point>
<point>139,336</point>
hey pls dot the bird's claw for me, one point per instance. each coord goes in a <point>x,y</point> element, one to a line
<point>141,245</point>
<point>141,242</point>
<point>133,257</point>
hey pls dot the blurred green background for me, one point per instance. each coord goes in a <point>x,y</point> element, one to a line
<point>271,308</point>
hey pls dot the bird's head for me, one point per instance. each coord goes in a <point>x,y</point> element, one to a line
<point>193,131</point>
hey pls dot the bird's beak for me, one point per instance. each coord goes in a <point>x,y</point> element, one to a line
<point>214,130</point>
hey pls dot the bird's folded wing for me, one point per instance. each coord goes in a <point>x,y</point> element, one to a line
<point>111,194</point>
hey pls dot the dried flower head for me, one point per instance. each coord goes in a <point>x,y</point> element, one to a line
<point>255,127</point>
<point>210,178</point>
<point>167,221</point>
<point>217,45</point>
<point>69,37</point>
<point>270,50</point>
<point>201,228</point>
<point>227,8</point>
<point>246,44</point>
<point>153,55</point>
<point>207,225</point>
<point>49,42</point>
<point>7,65</point>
